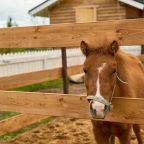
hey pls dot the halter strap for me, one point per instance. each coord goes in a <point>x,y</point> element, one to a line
<point>99,99</point>
<point>120,79</point>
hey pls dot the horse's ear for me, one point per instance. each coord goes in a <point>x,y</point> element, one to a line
<point>84,47</point>
<point>114,47</point>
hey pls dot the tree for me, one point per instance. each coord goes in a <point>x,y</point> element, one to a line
<point>11,22</point>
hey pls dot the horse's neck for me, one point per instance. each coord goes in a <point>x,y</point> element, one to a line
<point>131,71</point>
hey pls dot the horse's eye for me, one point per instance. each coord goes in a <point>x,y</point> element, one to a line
<point>85,70</point>
<point>114,71</point>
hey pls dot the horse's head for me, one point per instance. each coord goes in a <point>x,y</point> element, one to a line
<point>100,74</point>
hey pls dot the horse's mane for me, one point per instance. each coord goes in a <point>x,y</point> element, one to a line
<point>129,61</point>
<point>100,45</point>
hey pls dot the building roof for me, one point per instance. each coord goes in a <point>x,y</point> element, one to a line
<point>141,1</point>
<point>43,8</point>
<point>139,4</point>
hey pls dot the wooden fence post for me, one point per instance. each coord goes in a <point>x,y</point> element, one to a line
<point>142,49</point>
<point>141,14</point>
<point>64,71</point>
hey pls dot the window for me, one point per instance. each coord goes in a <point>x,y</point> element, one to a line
<point>86,14</point>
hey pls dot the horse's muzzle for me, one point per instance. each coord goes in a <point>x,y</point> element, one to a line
<point>98,107</point>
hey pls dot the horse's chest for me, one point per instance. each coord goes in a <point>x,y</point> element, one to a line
<point>112,128</point>
<point>109,129</point>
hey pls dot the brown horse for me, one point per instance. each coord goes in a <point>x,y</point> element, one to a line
<point>109,72</point>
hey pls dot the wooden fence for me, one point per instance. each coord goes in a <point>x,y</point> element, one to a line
<point>40,105</point>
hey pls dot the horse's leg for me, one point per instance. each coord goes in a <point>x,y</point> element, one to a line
<point>112,139</point>
<point>136,129</point>
<point>125,137</point>
<point>100,136</point>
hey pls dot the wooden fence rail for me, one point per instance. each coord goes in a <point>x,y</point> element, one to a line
<point>22,120</point>
<point>125,110</point>
<point>18,121</point>
<point>128,32</point>
<point>36,77</point>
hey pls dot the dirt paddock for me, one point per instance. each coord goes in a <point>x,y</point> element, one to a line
<point>62,130</point>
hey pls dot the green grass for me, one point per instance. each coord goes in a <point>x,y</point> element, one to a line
<point>12,135</point>
<point>9,50</point>
<point>35,87</point>
<point>5,115</point>
<point>15,50</point>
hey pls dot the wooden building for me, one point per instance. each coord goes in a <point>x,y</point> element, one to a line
<point>79,11</point>
<point>75,11</point>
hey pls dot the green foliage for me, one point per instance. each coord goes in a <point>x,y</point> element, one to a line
<point>14,50</point>
<point>9,50</point>
<point>11,22</point>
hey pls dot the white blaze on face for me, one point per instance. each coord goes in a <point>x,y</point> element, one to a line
<point>99,107</point>
<point>98,94</point>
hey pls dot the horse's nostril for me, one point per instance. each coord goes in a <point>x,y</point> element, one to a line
<point>89,100</point>
<point>85,70</point>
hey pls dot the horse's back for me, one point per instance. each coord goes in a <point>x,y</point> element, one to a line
<point>134,73</point>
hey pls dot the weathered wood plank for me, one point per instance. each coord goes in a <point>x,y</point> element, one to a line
<point>129,32</point>
<point>36,77</point>
<point>17,122</point>
<point>23,120</point>
<point>125,110</point>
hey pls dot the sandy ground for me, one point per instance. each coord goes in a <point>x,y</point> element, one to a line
<point>62,130</point>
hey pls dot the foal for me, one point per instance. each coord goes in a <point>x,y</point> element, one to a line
<point>109,72</point>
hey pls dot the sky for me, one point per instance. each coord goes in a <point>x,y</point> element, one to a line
<point>18,10</point>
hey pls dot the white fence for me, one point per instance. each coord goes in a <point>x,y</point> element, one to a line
<point>17,63</point>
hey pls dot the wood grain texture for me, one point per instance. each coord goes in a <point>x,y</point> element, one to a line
<point>68,9</point>
<point>23,120</point>
<point>36,77</point>
<point>124,110</point>
<point>128,32</point>
<point>17,122</point>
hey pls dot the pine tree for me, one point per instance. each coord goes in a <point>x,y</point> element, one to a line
<point>9,22</point>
